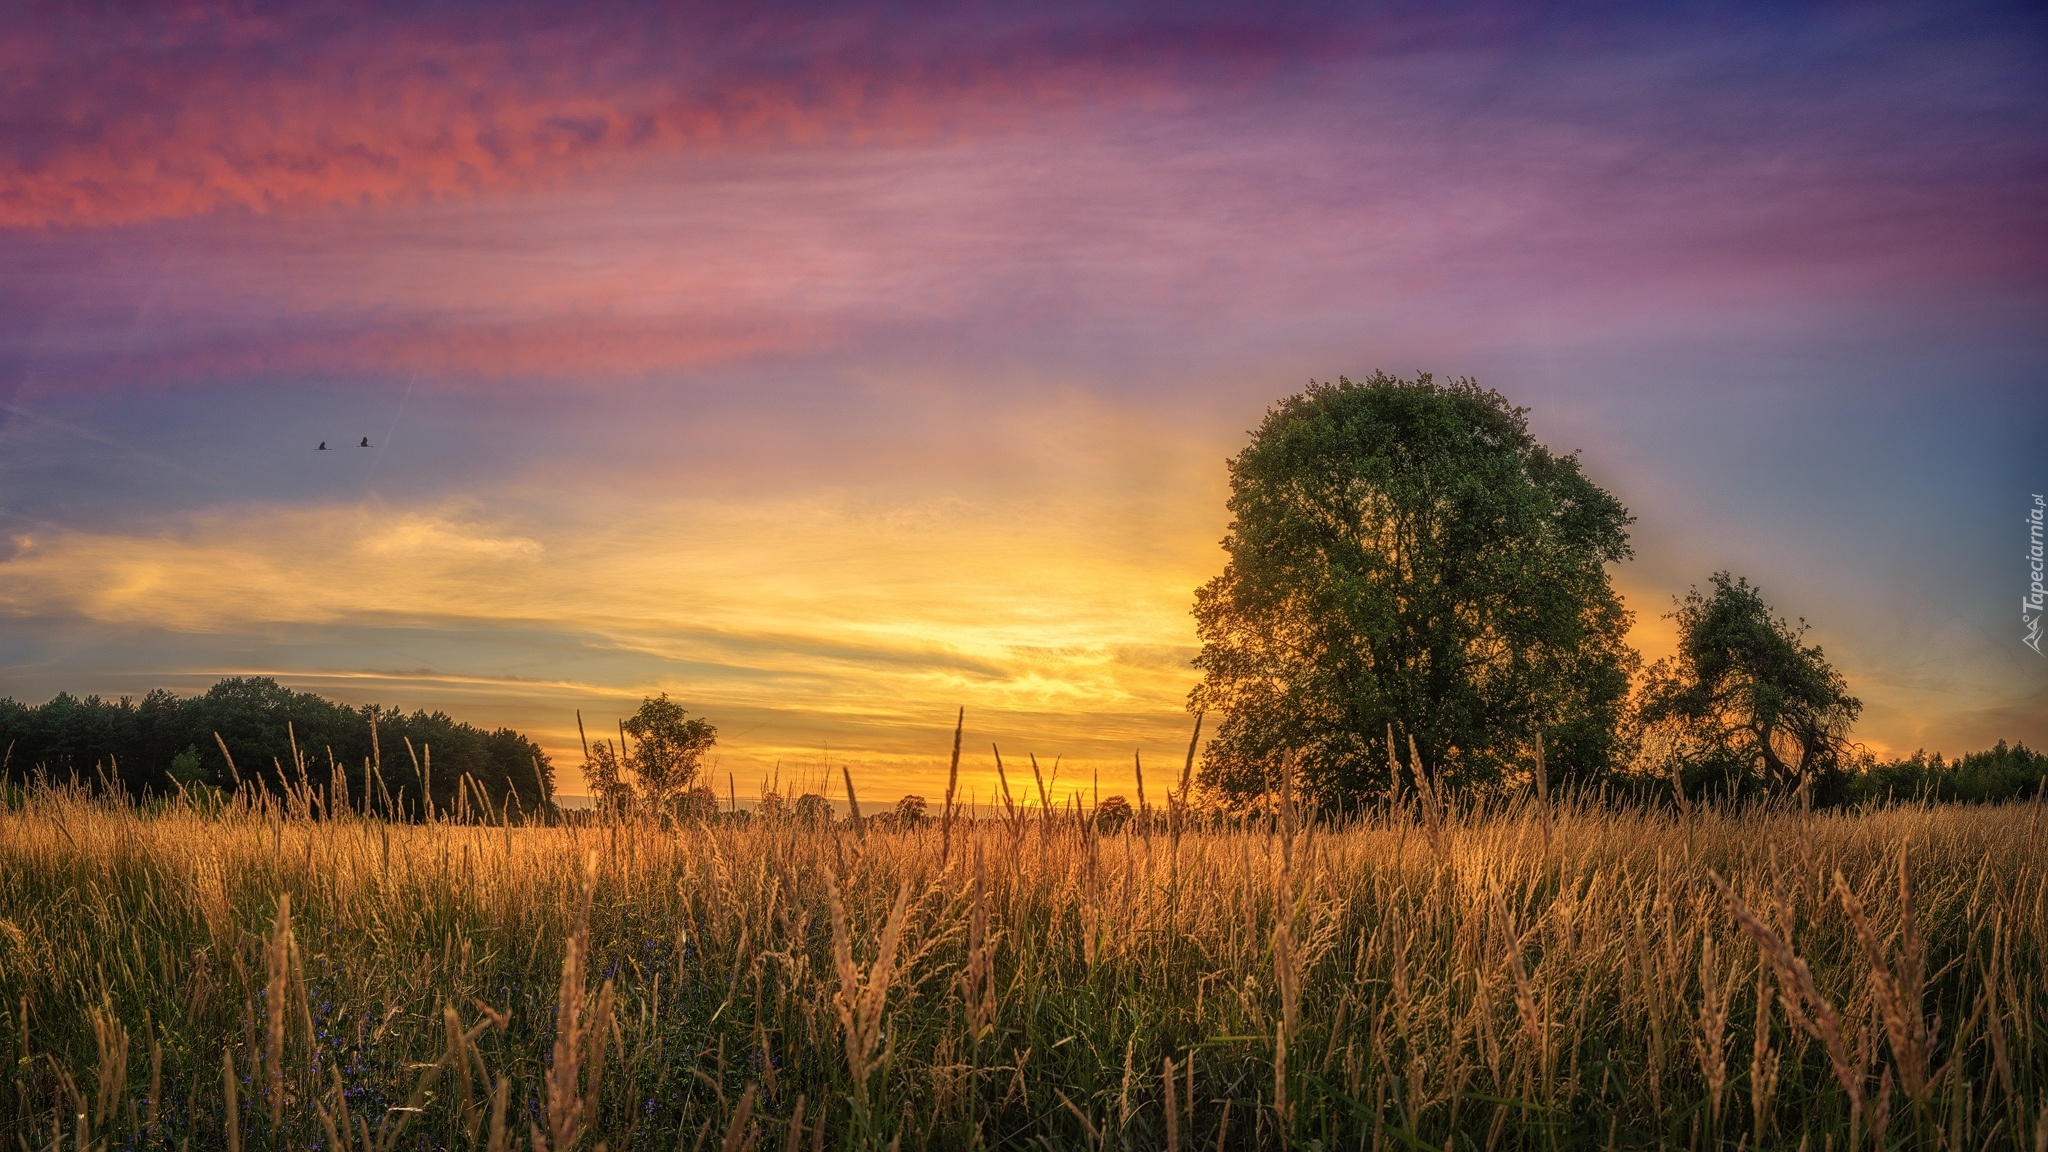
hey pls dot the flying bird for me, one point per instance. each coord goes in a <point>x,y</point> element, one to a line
<point>323,446</point>
<point>365,443</point>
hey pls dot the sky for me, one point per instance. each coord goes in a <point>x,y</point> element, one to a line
<point>835,368</point>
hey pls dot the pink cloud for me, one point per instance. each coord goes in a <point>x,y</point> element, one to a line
<point>205,107</point>
<point>574,199</point>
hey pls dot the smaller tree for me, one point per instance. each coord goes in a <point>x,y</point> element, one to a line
<point>667,747</point>
<point>1112,814</point>
<point>656,774</point>
<point>812,810</point>
<point>909,814</point>
<point>186,768</point>
<point>604,770</point>
<point>1744,699</point>
<point>697,803</point>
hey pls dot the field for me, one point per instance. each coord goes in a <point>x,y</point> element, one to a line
<point>1508,977</point>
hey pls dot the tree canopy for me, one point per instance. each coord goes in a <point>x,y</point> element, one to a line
<point>657,772</point>
<point>1403,553</point>
<point>1744,701</point>
<point>147,744</point>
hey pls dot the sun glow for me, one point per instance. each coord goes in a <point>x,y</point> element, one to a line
<point>804,628</point>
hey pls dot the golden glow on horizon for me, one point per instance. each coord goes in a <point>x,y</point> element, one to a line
<point>841,619</point>
<point>793,623</point>
<point>815,632</point>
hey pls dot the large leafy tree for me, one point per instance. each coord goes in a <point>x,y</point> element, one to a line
<point>1404,553</point>
<point>1744,700</point>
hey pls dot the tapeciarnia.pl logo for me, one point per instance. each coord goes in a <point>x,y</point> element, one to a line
<point>2031,604</point>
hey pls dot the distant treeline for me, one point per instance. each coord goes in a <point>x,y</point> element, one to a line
<point>163,740</point>
<point>2003,773</point>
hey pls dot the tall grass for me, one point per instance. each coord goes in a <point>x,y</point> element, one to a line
<point>1528,976</point>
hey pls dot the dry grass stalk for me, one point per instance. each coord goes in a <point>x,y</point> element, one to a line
<point>1803,1002</point>
<point>1044,797</point>
<point>233,771</point>
<point>794,1140</point>
<point>1094,1133</point>
<point>1763,1062</point>
<point>861,997</point>
<point>277,964</point>
<point>112,1041</point>
<point>860,829</point>
<point>1177,805</point>
<point>1013,819</point>
<point>1716,993</point>
<point>1898,988</point>
<point>977,976</point>
<point>1432,805</point>
<point>739,1131</point>
<point>1286,966</point>
<point>1172,1108</point>
<point>577,1066</point>
<point>338,1124</point>
<point>500,1134</point>
<point>232,1114</point>
<point>456,1053</point>
<point>2001,1058</point>
<point>952,786</point>
<point>156,1085</point>
<point>1526,1006</point>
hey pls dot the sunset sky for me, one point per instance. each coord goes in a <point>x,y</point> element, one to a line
<point>832,368</point>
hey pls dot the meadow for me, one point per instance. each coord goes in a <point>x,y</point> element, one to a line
<point>265,973</point>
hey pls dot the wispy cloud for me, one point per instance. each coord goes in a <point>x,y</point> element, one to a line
<point>203,107</point>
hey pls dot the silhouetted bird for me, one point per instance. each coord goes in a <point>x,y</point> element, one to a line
<point>365,443</point>
<point>323,446</point>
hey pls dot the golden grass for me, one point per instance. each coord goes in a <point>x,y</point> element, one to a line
<point>1531,976</point>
